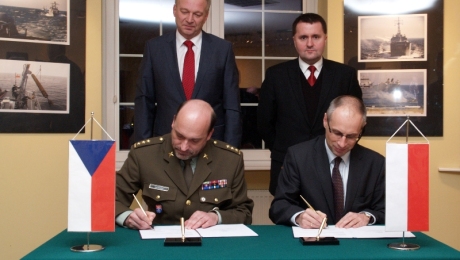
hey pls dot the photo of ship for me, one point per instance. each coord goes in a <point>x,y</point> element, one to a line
<point>390,38</point>
<point>30,91</point>
<point>393,92</point>
<point>34,21</point>
<point>400,45</point>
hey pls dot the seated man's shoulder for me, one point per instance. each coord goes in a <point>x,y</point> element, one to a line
<point>226,148</point>
<point>149,142</point>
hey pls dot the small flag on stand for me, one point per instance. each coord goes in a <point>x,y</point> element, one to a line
<point>91,186</point>
<point>407,187</point>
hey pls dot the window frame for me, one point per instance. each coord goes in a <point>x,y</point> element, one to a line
<point>254,159</point>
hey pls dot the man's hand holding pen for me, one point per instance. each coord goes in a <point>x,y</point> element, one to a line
<point>310,219</point>
<point>140,219</point>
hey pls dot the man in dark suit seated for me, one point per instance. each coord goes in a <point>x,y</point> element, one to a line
<point>340,179</point>
<point>184,174</point>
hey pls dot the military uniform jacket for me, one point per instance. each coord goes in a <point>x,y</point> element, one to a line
<point>152,167</point>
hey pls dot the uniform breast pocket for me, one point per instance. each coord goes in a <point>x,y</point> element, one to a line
<point>215,196</point>
<point>159,195</point>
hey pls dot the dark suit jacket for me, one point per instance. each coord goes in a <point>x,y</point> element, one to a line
<point>306,172</point>
<point>159,82</point>
<point>282,118</point>
<point>152,167</point>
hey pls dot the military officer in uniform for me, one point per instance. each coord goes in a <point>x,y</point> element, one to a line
<point>184,174</point>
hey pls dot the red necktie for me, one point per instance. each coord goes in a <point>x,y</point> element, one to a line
<point>311,79</point>
<point>188,74</point>
<point>338,189</point>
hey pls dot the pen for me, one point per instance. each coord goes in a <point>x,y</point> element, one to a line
<point>321,228</point>
<point>140,206</point>
<point>307,203</point>
<point>182,228</point>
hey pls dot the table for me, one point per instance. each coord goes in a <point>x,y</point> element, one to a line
<point>273,242</point>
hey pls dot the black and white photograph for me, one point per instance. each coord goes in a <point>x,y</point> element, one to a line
<point>34,87</point>
<point>389,38</point>
<point>39,21</point>
<point>394,92</point>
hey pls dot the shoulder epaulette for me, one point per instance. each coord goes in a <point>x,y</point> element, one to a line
<point>150,141</point>
<point>226,146</point>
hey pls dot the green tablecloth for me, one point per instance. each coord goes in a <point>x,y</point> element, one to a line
<point>273,242</point>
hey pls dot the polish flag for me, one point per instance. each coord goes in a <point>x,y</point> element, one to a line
<point>407,187</point>
<point>91,186</point>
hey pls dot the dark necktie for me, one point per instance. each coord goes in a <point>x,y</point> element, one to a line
<point>311,79</point>
<point>338,189</point>
<point>188,74</point>
<point>188,173</point>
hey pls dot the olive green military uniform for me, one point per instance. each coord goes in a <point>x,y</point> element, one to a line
<point>152,167</point>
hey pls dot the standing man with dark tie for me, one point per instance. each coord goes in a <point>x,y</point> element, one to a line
<point>295,94</point>
<point>342,180</point>
<point>187,64</point>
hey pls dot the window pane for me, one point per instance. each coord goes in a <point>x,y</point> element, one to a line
<point>128,76</point>
<point>126,126</point>
<point>133,35</point>
<point>278,35</point>
<point>269,63</point>
<point>244,29</point>
<point>250,73</point>
<point>289,5</point>
<point>140,20</point>
<point>243,4</point>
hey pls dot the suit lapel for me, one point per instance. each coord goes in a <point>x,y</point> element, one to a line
<point>354,179</point>
<point>205,57</point>
<point>171,55</point>
<point>202,171</point>
<point>294,75</point>
<point>323,173</point>
<point>173,168</point>
<point>327,84</point>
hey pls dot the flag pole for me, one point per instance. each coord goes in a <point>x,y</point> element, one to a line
<point>403,245</point>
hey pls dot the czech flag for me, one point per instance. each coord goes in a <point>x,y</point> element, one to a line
<point>91,186</point>
<point>407,187</point>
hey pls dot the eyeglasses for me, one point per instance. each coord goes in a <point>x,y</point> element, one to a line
<point>339,135</point>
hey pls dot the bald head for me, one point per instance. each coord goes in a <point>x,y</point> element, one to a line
<point>192,127</point>
<point>350,104</point>
<point>344,122</point>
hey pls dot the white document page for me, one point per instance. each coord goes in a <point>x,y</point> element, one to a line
<point>361,232</point>
<point>228,230</point>
<point>162,232</point>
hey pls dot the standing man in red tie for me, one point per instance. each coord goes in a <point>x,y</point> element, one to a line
<point>187,64</point>
<point>295,94</point>
<point>342,180</point>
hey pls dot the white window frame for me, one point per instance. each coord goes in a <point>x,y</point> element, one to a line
<point>257,159</point>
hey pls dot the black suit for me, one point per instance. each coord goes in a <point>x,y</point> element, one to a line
<point>159,82</point>
<point>306,172</point>
<point>282,117</point>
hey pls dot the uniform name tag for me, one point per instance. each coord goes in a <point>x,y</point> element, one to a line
<point>158,187</point>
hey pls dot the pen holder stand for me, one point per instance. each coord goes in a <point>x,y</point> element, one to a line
<point>322,241</point>
<point>178,241</point>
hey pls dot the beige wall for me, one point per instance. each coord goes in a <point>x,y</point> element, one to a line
<point>34,174</point>
<point>33,179</point>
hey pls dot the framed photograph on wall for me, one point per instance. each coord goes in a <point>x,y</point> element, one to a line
<point>400,41</point>
<point>392,37</point>
<point>394,93</point>
<point>40,21</point>
<point>42,81</point>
